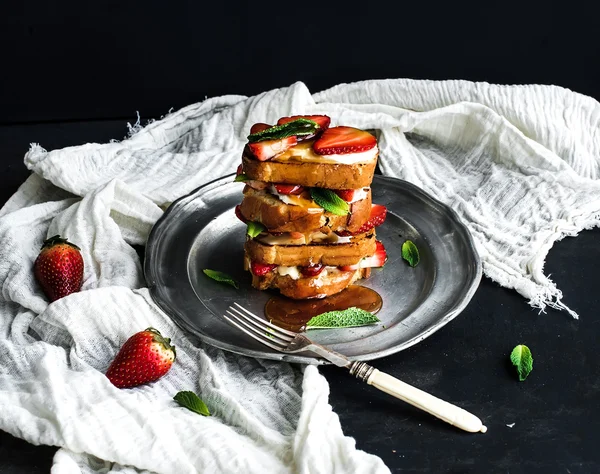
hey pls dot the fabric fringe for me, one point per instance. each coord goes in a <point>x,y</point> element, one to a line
<point>549,294</point>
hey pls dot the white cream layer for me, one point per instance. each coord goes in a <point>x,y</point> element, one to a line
<point>296,238</point>
<point>294,274</point>
<point>304,152</point>
<point>350,158</point>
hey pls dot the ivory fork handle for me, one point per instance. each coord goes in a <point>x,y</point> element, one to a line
<point>452,414</point>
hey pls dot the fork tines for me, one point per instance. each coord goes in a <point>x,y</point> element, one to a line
<point>263,331</point>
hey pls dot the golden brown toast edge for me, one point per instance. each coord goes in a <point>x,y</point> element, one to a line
<point>318,175</point>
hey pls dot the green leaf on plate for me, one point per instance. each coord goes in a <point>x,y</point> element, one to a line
<point>254,228</point>
<point>241,178</point>
<point>523,360</point>
<point>410,253</point>
<point>330,201</point>
<point>220,276</point>
<point>296,127</point>
<point>346,318</point>
<point>192,402</point>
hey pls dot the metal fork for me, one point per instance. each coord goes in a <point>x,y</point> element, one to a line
<point>291,342</point>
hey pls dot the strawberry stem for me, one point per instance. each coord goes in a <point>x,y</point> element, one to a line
<point>56,240</point>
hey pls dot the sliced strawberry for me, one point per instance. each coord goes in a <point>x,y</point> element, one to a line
<point>344,140</point>
<point>378,259</point>
<point>259,127</point>
<point>261,269</point>
<point>288,188</point>
<point>312,270</point>
<point>376,218</point>
<point>322,120</point>
<point>377,215</point>
<point>267,149</point>
<point>346,194</point>
<point>349,268</point>
<point>239,215</point>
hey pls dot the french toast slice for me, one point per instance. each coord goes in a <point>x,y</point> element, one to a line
<point>329,282</point>
<point>277,216</point>
<point>311,174</point>
<point>342,254</point>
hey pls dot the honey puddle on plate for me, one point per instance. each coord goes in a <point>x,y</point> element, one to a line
<point>294,314</point>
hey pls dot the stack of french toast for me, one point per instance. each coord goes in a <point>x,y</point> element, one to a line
<point>311,225</point>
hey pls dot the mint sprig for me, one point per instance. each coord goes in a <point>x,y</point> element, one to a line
<point>410,253</point>
<point>192,402</point>
<point>523,360</point>
<point>220,276</point>
<point>330,201</point>
<point>346,318</point>
<point>254,228</point>
<point>296,127</point>
<point>241,178</point>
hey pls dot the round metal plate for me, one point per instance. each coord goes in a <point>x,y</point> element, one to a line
<point>201,231</point>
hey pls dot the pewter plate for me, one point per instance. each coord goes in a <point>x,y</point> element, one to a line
<point>201,231</point>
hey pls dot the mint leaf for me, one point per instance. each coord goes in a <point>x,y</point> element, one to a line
<point>241,178</point>
<point>220,276</point>
<point>192,402</point>
<point>410,253</point>
<point>523,360</point>
<point>296,127</point>
<point>329,201</point>
<point>254,228</point>
<point>346,318</point>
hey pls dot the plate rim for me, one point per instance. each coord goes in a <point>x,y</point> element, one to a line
<point>153,243</point>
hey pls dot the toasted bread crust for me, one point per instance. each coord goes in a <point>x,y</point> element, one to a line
<point>319,175</point>
<point>309,287</point>
<point>276,216</point>
<point>304,255</point>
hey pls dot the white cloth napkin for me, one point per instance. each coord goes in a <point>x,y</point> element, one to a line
<point>518,164</point>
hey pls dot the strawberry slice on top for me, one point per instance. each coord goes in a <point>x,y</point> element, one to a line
<point>267,149</point>
<point>344,140</point>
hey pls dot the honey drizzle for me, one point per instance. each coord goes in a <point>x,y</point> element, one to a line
<point>294,314</point>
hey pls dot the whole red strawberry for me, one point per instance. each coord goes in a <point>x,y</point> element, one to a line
<point>145,357</point>
<point>59,268</point>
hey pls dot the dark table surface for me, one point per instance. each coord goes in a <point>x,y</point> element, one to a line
<point>555,412</point>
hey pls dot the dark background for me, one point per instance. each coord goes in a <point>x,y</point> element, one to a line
<point>73,60</point>
<point>73,72</point>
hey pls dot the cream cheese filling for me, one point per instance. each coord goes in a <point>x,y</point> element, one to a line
<point>294,273</point>
<point>297,238</point>
<point>304,152</point>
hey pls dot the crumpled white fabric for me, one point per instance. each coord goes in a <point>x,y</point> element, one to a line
<point>519,164</point>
